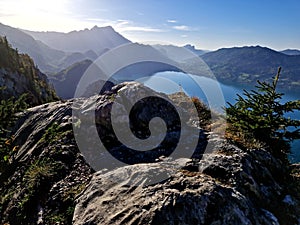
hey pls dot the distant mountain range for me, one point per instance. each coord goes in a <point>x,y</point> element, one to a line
<point>66,81</point>
<point>53,51</point>
<point>179,54</point>
<point>63,55</point>
<point>98,39</point>
<point>291,52</point>
<point>246,65</point>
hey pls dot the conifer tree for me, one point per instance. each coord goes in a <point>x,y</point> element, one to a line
<point>261,116</point>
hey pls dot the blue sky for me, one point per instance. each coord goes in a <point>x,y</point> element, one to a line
<point>205,24</point>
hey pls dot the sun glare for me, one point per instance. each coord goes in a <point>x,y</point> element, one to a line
<point>45,6</point>
<point>40,15</point>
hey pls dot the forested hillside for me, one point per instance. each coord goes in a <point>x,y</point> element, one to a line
<point>19,75</point>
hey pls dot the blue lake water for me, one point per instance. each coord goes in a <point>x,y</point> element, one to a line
<point>213,93</point>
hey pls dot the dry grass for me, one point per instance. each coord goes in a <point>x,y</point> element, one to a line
<point>242,139</point>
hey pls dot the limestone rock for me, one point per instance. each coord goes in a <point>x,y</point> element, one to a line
<point>231,187</point>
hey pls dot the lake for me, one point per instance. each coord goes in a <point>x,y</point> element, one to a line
<point>213,93</point>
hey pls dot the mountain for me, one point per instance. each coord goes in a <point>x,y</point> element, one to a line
<point>65,82</point>
<point>177,53</point>
<point>54,52</point>
<point>48,60</point>
<point>146,68</point>
<point>96,39</point>
<point>246,65</point>
<point>75,57</point>
<point>18,75</point>
<point>240,66</point>
<point>75,46</point>
<point>291,52</point>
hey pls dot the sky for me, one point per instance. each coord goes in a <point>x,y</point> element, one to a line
<point>206,24</point>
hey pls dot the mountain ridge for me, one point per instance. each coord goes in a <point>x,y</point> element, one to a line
<point>246,65</point>
<point>96,38</point>
<point>51,60</point>
<point>240,66</point>
<point>291,52</point>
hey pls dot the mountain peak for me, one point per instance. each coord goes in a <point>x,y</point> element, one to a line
<point>97,39</point>
<point>102,28</point>
<point>95,27</point>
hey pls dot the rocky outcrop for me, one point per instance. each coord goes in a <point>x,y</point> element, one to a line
<point>231,186</point>
<point>50,182</point>
<point>37,88</point>
<point>46,171</point>
<point>47,168</point>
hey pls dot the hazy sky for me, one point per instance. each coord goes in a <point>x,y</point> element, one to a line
<point>207,24</point>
